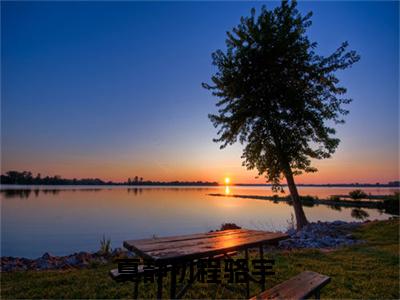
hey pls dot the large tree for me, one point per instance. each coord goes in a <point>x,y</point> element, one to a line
<point>278,97</point>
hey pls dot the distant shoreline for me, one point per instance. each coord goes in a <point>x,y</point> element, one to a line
<point>212,184</point>
<point>27,178</point>
<point>388,203</point>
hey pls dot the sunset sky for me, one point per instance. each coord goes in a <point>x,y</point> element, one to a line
<point>113,90</point>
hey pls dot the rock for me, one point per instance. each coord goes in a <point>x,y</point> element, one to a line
<point>117,252</point>
<point>321,235</point>
<point>336,223</point>
<point>130,254</point>
<point>83,258</point>
<point>43,264</point>
<point>291,231</point>
<point>46,256</point>
<point>71,260</point>
<point>102,260</point>
<point>47,261</point>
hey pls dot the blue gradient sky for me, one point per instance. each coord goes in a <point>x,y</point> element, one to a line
<point>113,90</point>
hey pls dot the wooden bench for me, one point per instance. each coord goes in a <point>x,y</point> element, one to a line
<point>302,286</point>
<point>121,277</point>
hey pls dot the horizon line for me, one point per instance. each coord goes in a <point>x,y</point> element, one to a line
<point>27,178</point>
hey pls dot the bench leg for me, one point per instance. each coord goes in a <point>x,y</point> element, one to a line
<point>317,294</point>
<point>248,275</point>
<point>191,280</point>
<point>183,273</point>
<point>191,270</point>
<point>263,276</point>
<point>173,282</point>
<point>159,283</point>
<point>136,290</point>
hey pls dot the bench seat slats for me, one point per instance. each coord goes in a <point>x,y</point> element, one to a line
<point>117,276</point>
<point>300,286</point>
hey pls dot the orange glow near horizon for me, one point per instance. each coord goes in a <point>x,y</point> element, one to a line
<point>341,169</point>
<point>326,174</point>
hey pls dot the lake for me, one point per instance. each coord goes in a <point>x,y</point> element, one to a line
<point>64,219</point>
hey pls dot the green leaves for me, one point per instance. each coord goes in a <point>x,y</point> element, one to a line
<point>275,95</point>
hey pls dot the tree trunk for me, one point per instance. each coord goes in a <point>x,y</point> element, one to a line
<point>301,219</point>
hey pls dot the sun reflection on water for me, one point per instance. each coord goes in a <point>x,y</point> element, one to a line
<point>227,190</point>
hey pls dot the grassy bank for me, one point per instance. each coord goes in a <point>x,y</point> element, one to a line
<point>368,270</point>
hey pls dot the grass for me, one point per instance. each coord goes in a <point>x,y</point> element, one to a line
<point>368,270</point>
<point>105,246</point>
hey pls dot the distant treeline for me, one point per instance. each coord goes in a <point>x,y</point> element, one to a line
<point>26,178</point>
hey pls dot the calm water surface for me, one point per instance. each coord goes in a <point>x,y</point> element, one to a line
<point>63,220</point>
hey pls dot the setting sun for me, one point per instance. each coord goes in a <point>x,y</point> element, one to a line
<point>227,180</point>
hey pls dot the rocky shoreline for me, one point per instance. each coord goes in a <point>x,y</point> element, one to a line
<point>322,235</point>
<point>50,262</point>
<point>315,235</point>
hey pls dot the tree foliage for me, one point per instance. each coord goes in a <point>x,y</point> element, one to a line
<point>276,95</point>
<point>357,194</point>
